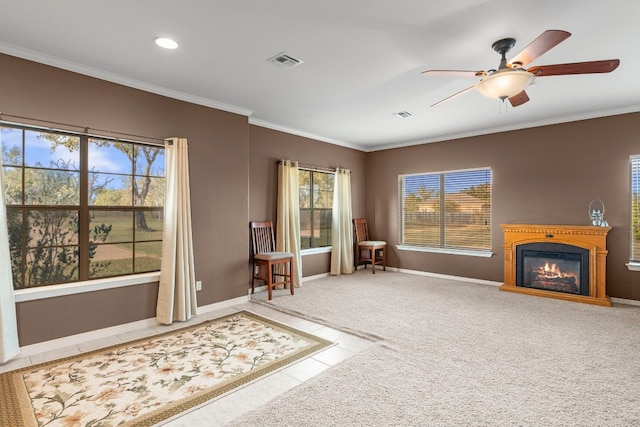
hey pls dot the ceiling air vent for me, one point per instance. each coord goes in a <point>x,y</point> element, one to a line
<point>403,114</point>
<point>285,61</point>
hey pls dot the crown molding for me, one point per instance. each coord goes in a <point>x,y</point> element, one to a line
<point>116,78</point>
<point>136,84</point>
<point>518,126</point>
<point>274,126</point>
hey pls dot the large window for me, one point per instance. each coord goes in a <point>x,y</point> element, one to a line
<point>635,210</point>
<point>448,210</point>
<point>316,203</point>
<point>80,207</point>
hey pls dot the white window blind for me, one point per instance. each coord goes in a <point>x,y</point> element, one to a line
<point>446,209</point>
<point>634,252</point>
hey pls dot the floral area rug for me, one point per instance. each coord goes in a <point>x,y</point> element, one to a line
<point>143,382</point>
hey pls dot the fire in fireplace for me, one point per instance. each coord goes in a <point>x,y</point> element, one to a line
<point>553,267</point>
<point>551,244</point>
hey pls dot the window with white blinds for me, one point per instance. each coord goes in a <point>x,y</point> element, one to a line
<point>635,209</point>
<point>450,210</point>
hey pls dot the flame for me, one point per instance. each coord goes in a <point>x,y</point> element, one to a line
<point>554,271</point>
<point>553,268</point>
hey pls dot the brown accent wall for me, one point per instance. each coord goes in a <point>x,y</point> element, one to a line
<point>46,319</point>
<point>267,146</point>
<point>228,185</point>
<point>542,175</point>
<point>218,153</point>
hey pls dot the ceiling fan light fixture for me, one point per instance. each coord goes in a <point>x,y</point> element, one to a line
<point>505,83</point>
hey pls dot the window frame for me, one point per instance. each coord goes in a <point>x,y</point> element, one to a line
<point>315,249</point>
<point>72,288</point>
<point>84,207</point>
<point>442,248</point>
<point>634,181</point>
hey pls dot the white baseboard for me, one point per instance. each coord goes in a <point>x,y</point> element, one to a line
<point>72,340</point>
<point>447,276</point>
<point>304,279</point>
<point>614,300</point>
<point>146,323</point>
<point>317,276</point>
<point>222,304</point>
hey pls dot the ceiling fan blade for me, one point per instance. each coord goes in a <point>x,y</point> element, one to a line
<point>604,66</point>
<point>519,99</point>
<point>455,73</point>
<point>450,97</point>
<point>542,44</point>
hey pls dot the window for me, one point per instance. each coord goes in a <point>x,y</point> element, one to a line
<point>316,203</point>
<point>448,210</point>
<point>635,210</point>
<point>80,207</point>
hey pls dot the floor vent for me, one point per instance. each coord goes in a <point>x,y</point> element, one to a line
<point>285,61</point>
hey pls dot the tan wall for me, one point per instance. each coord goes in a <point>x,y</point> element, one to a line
<point>228,186</point>
<point>218,153</point>
<point>267,146</point>
<point>543,175</point>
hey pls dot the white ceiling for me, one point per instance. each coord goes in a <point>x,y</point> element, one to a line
<point>362,59</point>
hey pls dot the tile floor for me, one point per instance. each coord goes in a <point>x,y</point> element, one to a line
<point>232,405</point>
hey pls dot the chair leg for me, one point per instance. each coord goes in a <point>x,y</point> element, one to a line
<point>291,271</point>
<point>384,259</point>
<point>253,279</point>
<point>373,260</point>
<point>270,281</point>
<point>357,258</point>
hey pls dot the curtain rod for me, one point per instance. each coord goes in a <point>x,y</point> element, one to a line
<point>85,129</point>
<point>310,167</point>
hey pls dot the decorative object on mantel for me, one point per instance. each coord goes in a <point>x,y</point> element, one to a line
<point>596,215</point>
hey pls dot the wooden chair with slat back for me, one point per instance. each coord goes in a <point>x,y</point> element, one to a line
<point>368,251</point>
<point>266,261</point>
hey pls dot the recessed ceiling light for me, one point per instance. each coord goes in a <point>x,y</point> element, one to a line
<point>166,43</point>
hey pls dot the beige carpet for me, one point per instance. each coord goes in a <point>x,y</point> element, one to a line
<point>461,354</point>
<point>149,380</point>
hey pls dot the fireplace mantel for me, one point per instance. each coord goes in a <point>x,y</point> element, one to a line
<point>591,238</point>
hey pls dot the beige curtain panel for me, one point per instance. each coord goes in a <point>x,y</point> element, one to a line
<point>341,225</point>
<point>9,346</point>
<point>288,215</point>
<point>177,291</point>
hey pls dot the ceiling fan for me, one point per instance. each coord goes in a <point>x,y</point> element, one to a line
<point>511,79</point>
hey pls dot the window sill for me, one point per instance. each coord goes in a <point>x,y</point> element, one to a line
<point>43,292</point>
<point>314,251</point>
<point>633,266</point>
<point>466,252</point>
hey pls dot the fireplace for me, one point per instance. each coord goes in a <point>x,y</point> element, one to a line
<point>553,267</point>
<point>556,261</point>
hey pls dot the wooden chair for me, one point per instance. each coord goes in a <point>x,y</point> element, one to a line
<point>368,251</point>
<point>269,265</point>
